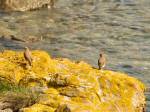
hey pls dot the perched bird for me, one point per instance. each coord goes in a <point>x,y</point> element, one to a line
<point>27,56</point>
<point>2,50</point>
<point>101,61</point>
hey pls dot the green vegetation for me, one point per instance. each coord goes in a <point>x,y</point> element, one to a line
<point>6,86</point>
<point>16,96</point>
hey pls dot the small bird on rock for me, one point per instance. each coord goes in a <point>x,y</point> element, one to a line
<point>2,50</point>
<point>27,56</point>
<point>101,61</point>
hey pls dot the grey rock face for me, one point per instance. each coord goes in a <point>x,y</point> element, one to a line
<point>24,5</point>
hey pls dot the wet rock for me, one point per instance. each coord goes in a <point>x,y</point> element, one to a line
<point>12,37</point>
<point>127,66</point>
<point>24,5</point>
<point>32,39</point>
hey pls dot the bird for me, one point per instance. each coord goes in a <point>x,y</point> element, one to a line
<point>2,50</point>
<point>101,61</point>
<point>27,56</point>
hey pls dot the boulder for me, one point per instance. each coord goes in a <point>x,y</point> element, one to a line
<point>24,5</point>
<point>71,86</point>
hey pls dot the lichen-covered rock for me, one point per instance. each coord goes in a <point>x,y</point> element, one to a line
<point>78,85</point>
<point>63,108</point>
<point>38,108</point>
<point>12,102</point>
<point>23,5</point>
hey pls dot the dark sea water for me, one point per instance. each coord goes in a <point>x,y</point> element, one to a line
<point>79,29</point>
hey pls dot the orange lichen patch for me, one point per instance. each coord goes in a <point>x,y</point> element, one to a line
<point>81,87</point>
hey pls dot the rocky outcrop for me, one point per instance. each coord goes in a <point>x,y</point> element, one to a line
<point>24,5</point>
<point>64,85</point>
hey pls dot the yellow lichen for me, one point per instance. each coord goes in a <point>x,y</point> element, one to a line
<point>38,108</point>
<point>78,85</point>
